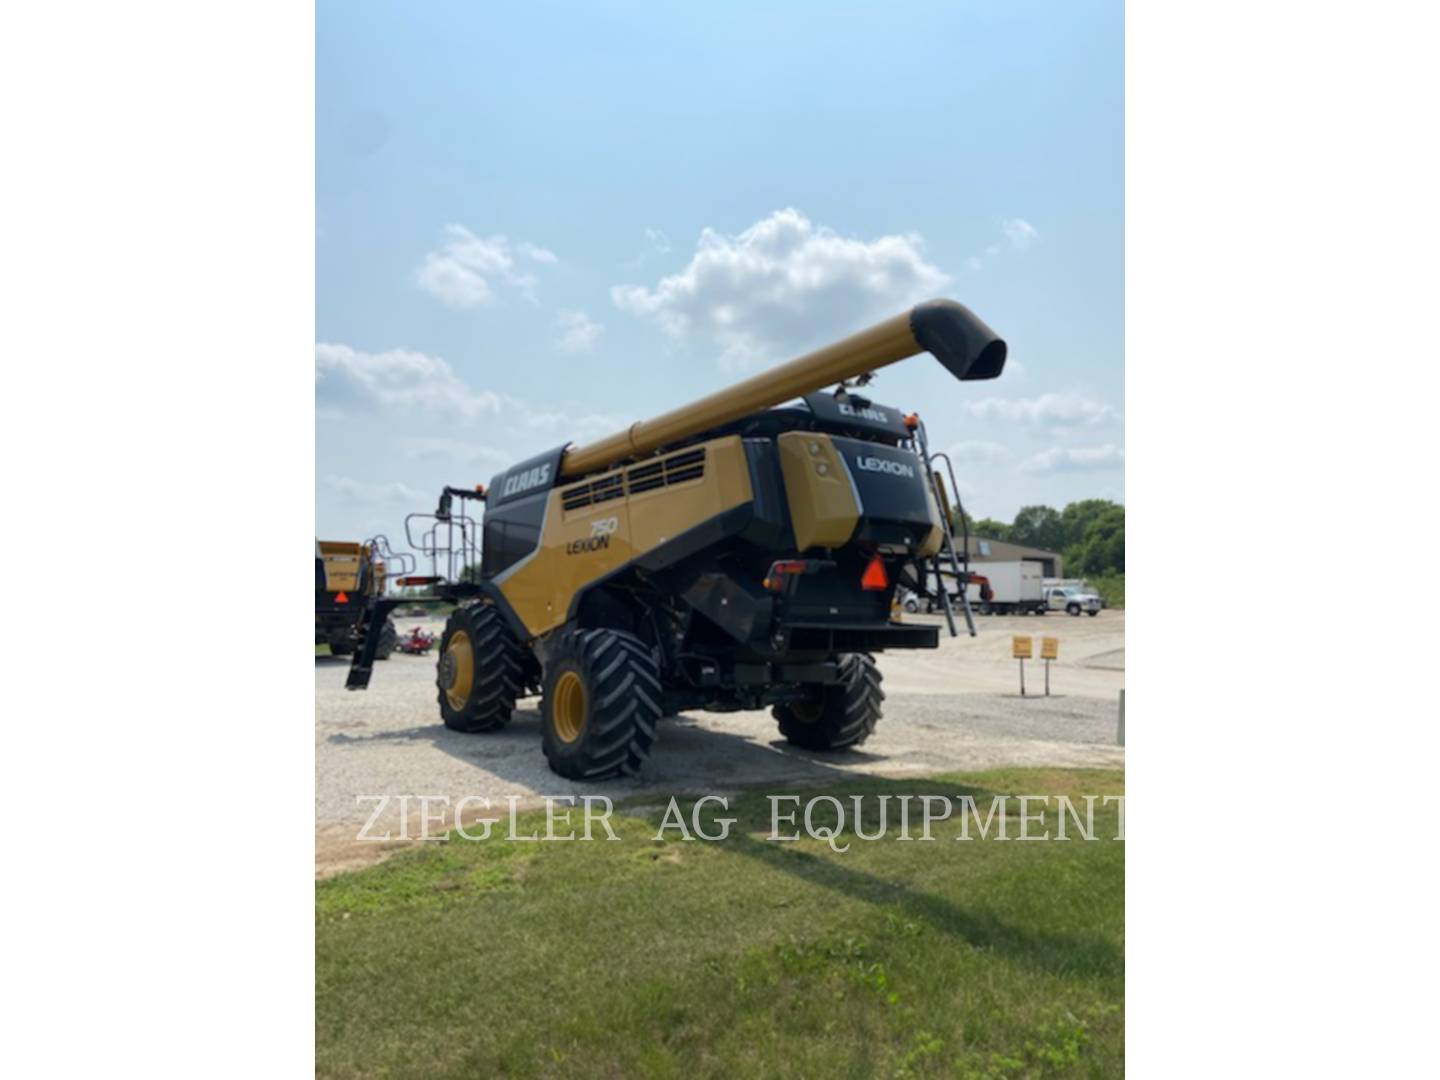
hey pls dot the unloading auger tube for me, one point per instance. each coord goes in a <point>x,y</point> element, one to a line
<point>949,331</point>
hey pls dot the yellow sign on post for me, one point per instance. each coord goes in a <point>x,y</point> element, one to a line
<point>1020,647</point>
<point>1049,648</point>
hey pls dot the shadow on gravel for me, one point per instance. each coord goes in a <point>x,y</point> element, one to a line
<point>684,755</point>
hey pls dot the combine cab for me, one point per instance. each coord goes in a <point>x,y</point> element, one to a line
<point>737,553</point>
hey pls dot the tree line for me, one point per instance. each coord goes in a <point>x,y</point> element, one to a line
<point>1090,534</point>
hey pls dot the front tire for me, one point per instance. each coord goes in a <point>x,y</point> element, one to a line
<point>1073,609</point>
<point>389,639</point>
<point>845,714</point>
<point>600,704</point>
<point>479,670</point>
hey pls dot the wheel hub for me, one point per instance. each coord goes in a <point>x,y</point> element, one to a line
<point>455,672</point>
<point>567,710</point>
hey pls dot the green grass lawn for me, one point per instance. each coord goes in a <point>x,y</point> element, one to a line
<point>746,957</point>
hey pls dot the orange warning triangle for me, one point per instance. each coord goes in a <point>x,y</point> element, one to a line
<point>875,577</point>
<point>341,598</point>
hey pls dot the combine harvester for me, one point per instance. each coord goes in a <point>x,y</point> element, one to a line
<point>726,555</point>
<point>349,582</point>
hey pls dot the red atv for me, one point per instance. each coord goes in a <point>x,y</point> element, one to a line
<point>417,643</point>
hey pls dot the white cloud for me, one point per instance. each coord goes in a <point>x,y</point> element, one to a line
<point>467,269</point>
<point>1017,235</point>
<point>782,284</point>
<point>398,378</point>
<point>536,253</point>
<point>977,452</point>
<point>373,494</point>
<point>577,332</point>
<point>459,451</point>
<point>1060,410</point>
<point>577,428</point>
<point>1076,459</point>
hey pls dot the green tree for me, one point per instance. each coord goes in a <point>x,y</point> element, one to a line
<point>1102,551</point>
<point>1038,526</point>
<point>990,529</point>
<point>1075,519</point>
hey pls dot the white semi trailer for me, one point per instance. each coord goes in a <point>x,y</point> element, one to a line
<point>1017,588</point>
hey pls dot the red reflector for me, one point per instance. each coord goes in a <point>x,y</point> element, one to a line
<point>875,579</point>
<point>341,598</point>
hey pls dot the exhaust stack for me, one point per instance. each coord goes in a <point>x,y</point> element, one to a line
<point>948,331</point>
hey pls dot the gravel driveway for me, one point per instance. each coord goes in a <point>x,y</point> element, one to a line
<point>956,707</point>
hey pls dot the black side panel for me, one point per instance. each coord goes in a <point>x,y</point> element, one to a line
<point>515,511</point>
<point>534,475</point>
<point>512,532</point>
<point>742,613</point>
<point>769,526</point>
<point>692,541</point>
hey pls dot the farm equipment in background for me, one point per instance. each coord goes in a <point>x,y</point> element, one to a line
<point>416,643</point>
<point>350,583</point>
<point>734,553</point>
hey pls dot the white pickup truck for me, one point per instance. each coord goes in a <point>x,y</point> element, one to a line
<point>1072,599</point>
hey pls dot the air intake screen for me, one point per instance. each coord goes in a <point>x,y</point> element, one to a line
<point>675,469</point>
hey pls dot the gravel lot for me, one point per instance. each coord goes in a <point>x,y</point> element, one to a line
<point>956,707</point>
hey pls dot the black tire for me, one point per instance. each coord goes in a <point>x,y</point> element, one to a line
<point>845,714</point>
<point>389,639</point>
<point>484,699</point>
<point>1092,613</point>
<point>341,647</point>
<point>1072,609</point>
<point>600,704</point>
<point>911,605</point>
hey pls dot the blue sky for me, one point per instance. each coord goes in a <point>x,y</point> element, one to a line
<point>537,223</point>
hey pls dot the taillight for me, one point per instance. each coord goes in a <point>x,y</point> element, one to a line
<point>783,568</point>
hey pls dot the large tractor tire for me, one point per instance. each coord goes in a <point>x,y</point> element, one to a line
<point>845,714</point>
<point>600,704</point>
<point>389,639</point>
<point>479,670</point>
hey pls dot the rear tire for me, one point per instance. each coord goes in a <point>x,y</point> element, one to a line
<point>600,704</point>
<point>845,714</point>
<point>341,647</point>
<point>479,670</point>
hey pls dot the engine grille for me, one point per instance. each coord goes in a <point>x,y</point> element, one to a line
<point>675,469</point>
